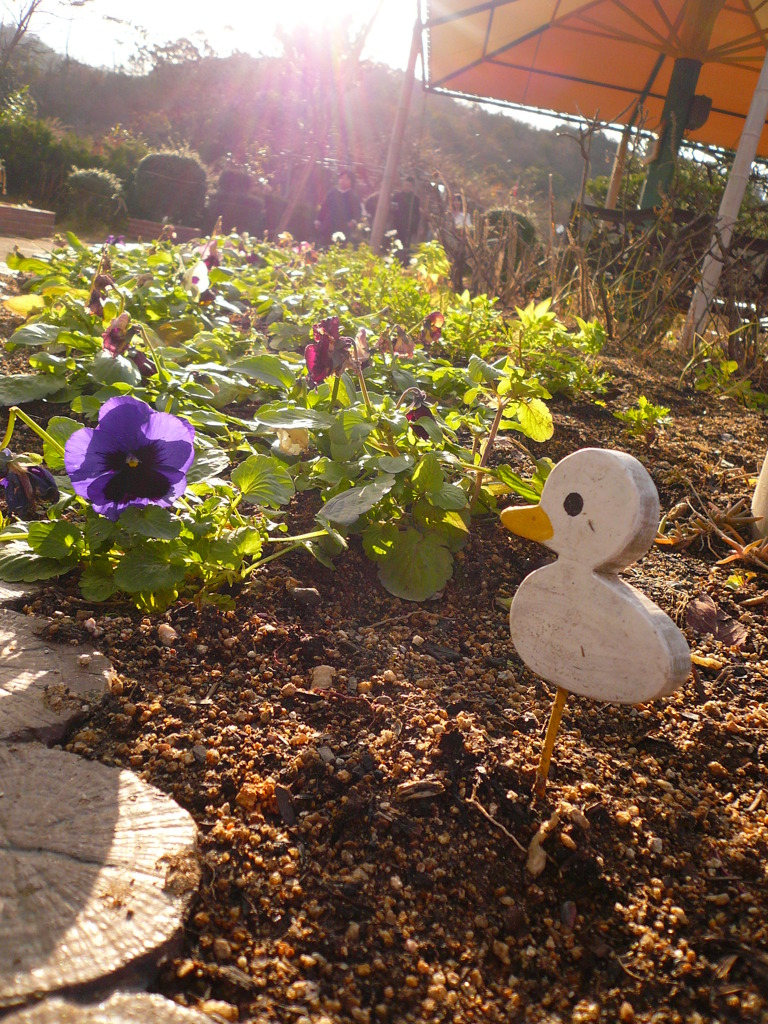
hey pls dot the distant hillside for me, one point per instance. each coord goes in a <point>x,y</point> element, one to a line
<point>274,113</point>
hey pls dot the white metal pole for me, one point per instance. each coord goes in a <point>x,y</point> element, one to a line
<point>381,216</point>
<point>728,213</point>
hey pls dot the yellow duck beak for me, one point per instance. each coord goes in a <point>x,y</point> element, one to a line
<point>530,521</point>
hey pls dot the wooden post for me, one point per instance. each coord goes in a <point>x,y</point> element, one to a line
<point>728,213</point>
<point>619,163</point>
<point>381,216</point>
<point>549,741</point>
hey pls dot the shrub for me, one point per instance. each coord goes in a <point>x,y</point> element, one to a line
<point>235,203</point>
<point>233,182</point>
<point>38,157</point>
<point>502,222</point>
<point>169,186</point>
<point>94,197</point>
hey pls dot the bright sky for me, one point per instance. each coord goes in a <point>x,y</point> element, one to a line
<point>98,33</point>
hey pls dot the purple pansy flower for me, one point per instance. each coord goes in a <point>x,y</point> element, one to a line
<point>418,411</point>
<point>117,336</point>
<point>135,456</point>
<point>328,353</point>
<point>24,486</point>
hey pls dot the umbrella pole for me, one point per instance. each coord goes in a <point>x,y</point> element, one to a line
<point>728,213</point>
<point>549,741</point>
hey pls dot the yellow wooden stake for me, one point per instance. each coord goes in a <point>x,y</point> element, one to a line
<point>549,741</point>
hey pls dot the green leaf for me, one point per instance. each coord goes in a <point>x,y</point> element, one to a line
<point>59,540</point>
<point>61,429</point>
<point>428,477</point>
<point>393,463</point>
<point>418,566</point>
<point>20,564</point>
<point>35,334</point>
<point>378,540</point>
<point>451,526</point>
<point>75,242</point>
<point>99,533</point>
<point>514,482</point>
<point>347,507</point>
<point>247,540</point>
<point>268,369</point>
<point>479,370</point>
<point>88,405</point>
<point>209,463</point>
<point>153,566</point>
<point>263,481</point>
<point>20,388</point>
<point>535,419</point>
<point>450,496</point>
<point>107,369</point>
<point>151,521</point>
<point>175,331</point>
<point>287,417</point>
<point>97,582</point>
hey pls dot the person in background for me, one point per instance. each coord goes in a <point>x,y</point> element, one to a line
<point>405,216</point>
<point>340,211</point>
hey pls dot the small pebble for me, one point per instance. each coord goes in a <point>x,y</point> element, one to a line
<point>322,677</point>
<point>218,1008</point>
<point>166,634</point>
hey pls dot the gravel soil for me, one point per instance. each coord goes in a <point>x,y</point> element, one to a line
<point>366,847</point>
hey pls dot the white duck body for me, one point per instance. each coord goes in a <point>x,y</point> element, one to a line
<point>575,623</point>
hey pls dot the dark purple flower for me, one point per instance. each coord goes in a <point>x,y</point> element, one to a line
<point>98,293</point>
<point>142,362</point>
<point>431,328</point>
<point>328,353</point>
<point>117,336</point>
<point>419,411</point>
<point>115,240</point>
<point>134,456</point>
<point>24,486</point>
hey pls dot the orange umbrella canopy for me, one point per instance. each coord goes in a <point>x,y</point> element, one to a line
<point>596,58</point>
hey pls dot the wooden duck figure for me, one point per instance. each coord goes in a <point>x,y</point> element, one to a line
<point>575,622</point>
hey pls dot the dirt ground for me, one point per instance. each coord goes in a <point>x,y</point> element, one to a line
<point>365,847</point>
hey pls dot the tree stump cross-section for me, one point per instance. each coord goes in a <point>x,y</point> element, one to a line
<point>97,870</point>
<point>120,1008</point>
<point>44,685</point>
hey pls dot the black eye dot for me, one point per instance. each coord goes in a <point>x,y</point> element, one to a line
<point>573,503</point>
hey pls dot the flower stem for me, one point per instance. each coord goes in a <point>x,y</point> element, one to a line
<point>485,455</point>
<point>157,359</point>
<point>14,412</point>
<point>335,390</point>
<point>300,537</point>
<point>364,388</point>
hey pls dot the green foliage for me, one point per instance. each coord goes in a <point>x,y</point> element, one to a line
<point>503,220</point>
<point>94,197</point>
<point>642,419</point>
<point>265,436</point>
<point>38,156</point>
<point>169,186</point>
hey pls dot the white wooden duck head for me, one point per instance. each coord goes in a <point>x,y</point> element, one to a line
<point>598,507</point>
<point>575,623</point>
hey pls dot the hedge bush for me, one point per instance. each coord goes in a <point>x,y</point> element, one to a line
<point>38,159</point>
<point>95,197</point>
<point>169,186</point>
